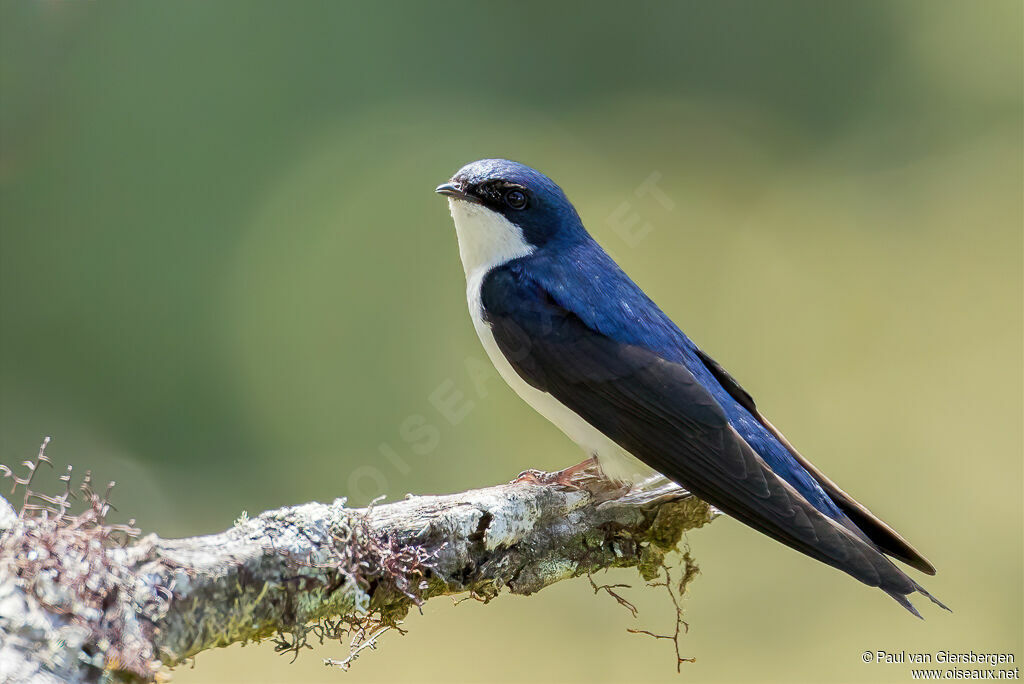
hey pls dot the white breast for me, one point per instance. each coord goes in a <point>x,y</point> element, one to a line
<point>486,240</point>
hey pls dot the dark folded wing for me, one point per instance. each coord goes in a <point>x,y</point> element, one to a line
<point>658,412</point>
<point>888,539</point>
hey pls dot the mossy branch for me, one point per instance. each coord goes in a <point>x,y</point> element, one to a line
<point>74,607</point>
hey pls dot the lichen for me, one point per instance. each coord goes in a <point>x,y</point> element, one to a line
<point>61,561</point>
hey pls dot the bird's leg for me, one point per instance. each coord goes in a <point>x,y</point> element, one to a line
<point>568,477</point>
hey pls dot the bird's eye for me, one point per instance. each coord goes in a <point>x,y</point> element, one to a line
<point>515,199</point>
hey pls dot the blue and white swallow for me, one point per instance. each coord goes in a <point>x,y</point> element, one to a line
<point>584,346</point>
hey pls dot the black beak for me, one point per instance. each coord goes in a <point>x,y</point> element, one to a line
<point>453,190</point>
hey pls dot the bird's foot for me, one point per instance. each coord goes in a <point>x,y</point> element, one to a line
<point>574,477</point>
<point>532,476</point>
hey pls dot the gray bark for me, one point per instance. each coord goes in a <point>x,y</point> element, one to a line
<point>74,610</point>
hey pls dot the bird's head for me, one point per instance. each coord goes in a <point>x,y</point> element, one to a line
<point>503,210</point>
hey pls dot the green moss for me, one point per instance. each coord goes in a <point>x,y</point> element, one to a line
<point>676,518</point>
<point>652,559</point>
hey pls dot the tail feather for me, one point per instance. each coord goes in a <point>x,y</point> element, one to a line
<point>892,579</point>
<point>940,604</point>
<point>904,600</point>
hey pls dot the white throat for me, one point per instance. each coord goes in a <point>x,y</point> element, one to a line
<point>486,238</point>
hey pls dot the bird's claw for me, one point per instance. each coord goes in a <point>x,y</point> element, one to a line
<point>532,476</point>
<point>573,477</point>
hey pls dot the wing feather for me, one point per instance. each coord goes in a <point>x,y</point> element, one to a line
<point>888,539</point>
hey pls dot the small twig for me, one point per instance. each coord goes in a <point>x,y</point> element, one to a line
<point>681,625</point>
<point>473,596</point>
<point>370,643</point>
<point>608,588</point>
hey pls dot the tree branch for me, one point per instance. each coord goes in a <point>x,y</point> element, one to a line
<point>72,610</point>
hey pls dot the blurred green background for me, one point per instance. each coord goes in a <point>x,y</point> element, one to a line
<point>226,283</point>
